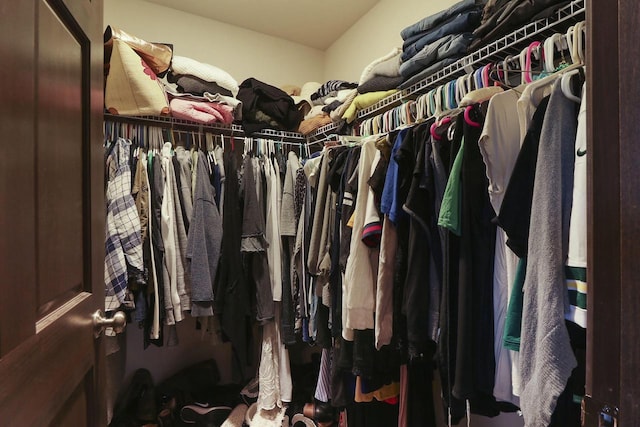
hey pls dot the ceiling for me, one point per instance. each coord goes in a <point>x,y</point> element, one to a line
<point>314,23</point>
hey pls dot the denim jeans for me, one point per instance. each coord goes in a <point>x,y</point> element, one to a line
<point>461,23</point>
<point>432,21</point>
<point>428,71</point>
<point>451,45</point>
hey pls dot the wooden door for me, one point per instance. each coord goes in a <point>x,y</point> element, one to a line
<point>51,213</point>
<point>613,332</point>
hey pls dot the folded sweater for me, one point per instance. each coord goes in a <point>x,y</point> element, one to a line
<point>363,101</point>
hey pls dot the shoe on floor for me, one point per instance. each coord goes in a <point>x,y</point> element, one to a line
<point>300,420</point>
<point>204,416</point>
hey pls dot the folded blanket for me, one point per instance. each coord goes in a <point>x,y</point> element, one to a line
<point>206,72</point>
<point>363,101</point>
<point>387,65</point>
<point>173,91</point>
<point>380,83</point>
<point>197,86</point>
<point>336,114</point>
<point>309,125</point>
<point>201,112</point>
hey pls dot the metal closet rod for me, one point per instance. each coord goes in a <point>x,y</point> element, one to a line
<point>184,125</point>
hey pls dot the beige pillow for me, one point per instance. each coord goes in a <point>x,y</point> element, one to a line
<point>132,87</point>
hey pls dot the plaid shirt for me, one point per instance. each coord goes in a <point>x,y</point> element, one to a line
<point>123,243</point>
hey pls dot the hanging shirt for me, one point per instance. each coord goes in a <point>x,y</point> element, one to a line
<point>576,268</point>
<point>361,272</point>
<point>500,144</point>
<point>272,228</point>
<point>171,296</point>
<point>123,243</point>
<point>203,243</point>
<point>451,207</point>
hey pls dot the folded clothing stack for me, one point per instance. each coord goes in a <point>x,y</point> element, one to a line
<point>199,76</point>
<point>202,92</point>
<point>382,74</point>
<point>501,17</point>
<point>438,40</point>
<point>323,103</point>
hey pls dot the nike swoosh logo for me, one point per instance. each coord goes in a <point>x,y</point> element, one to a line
<point>581,152</point>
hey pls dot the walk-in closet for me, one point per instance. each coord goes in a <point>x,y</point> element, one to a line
<point>345,214</point>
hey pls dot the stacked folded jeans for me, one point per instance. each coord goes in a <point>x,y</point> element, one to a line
<point>438,40</point>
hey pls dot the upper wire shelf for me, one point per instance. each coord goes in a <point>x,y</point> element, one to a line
<point>218,128</point>
<point>511,44</point>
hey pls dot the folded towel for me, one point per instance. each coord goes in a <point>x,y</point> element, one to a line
<point>309,125</point>
<point>206,72</point>
<point>201,112</point>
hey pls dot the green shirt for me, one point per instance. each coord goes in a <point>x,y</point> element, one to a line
<point>449,217</point>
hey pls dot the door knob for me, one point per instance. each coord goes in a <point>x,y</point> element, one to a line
<point>100,323</point>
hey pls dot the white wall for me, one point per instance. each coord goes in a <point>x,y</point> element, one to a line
<point>240,52</point>
<point>374,35</point>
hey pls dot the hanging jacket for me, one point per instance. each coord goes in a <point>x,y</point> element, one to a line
<point>203,242</point>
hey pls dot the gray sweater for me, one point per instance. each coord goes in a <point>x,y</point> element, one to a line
<point>546,357</point>
<point>203,242</point>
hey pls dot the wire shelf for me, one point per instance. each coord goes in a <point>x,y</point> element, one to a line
<point>510,44</point>
<point>218,128</point>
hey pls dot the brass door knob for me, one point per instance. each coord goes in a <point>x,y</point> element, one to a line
<point>100,323</point>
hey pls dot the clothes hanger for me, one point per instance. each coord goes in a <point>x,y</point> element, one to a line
<point>531,50</point>
<point>485,75</point>
<point>452,94</point>
<point>477,75</point>
<point>565,84</point>
<point>460,90</point>
<point>468,119</point>
<point>549,49</point>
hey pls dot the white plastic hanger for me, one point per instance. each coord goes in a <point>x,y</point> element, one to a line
<point>549,52</point>
<point>522,59</point>
<point>565,85</point>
